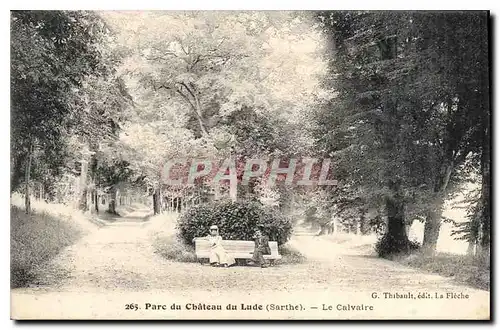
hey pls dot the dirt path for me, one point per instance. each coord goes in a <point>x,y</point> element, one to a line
<point>116,266</point>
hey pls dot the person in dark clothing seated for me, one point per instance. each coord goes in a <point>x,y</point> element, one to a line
<point>261,248</point>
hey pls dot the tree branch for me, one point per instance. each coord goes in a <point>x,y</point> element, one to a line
<point>182,47</point>
<point>187,99</point>
<point>196,107</point>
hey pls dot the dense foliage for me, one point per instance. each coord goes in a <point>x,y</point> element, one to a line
<point>410,114</point>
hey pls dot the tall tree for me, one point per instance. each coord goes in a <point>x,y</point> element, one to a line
<point>51,53</point>
<point>456,46</point>
<point>401,111</point>
<point>198,69</point>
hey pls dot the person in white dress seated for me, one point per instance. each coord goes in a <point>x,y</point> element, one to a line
<point>218,255</point>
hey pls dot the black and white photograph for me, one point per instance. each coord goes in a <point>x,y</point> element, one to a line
<point>250,164</point>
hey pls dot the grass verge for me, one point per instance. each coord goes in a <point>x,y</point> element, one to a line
<point>462,268</point>
<point>36,238</point>
<point>165,243</point>
<point>171,248</point>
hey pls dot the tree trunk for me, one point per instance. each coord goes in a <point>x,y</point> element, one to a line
<point>202,125</point>
<point>331,228</point>
<point>335,225</point>
<point>90,199</point>
<point>17,172</point>
<point>357,227</point>
<point>434,214</point>
<point>395,239</point>
<point>408,225</point>
<point>177,204</point>
<point>157,201</point>
<point>199,115</point>
<point>112,200</point>
<point>96,200</point>
<point>485,195</point>
<point>247,192</point>
<point>396,221</point>
<point>196,106</point>
<point>471,248</point>
<point>155,211</point>
<point>322,230</point>
<point>82,205</point>
<point>93,175</point>
<point>27,178</point>
<point>364,227</point>
<point>431,230</point>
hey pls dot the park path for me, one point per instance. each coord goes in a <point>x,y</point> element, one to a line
<point>116,265</point>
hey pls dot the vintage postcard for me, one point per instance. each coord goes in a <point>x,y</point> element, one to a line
<point>319,165</point>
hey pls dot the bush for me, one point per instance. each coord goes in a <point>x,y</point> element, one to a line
<point>291,255</point>
<point>236,221</point>
<point>388,246</point>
